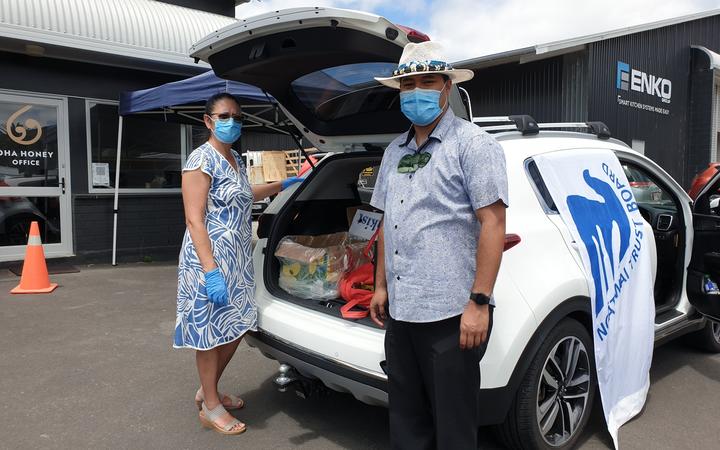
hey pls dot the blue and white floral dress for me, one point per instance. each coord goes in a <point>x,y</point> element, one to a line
<point>200,324</point>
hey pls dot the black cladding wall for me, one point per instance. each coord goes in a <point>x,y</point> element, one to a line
<point>582,86</point>
<point>150,225</point>
<point>532,88</point>
<point>140,235</point>
<point>224,7</point>
<point>550,90</point>
<point>664,52</point>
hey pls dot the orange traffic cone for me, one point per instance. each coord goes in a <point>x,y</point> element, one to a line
<point>35,279</point>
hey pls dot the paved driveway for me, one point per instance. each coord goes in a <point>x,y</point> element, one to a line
<point>91,366</point>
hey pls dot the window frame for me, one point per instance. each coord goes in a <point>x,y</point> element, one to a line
<point>540,190</point>
<point>185,139</point>
<point>647,173</point>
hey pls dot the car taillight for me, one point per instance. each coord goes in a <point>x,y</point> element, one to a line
<point>511,240</point>
<point>639,184</point>
<point>413,34</point>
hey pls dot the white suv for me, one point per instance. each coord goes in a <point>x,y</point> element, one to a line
<point>319,63</point>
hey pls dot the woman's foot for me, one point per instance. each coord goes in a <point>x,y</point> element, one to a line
<point>218,419</point>
<point>229,401</point>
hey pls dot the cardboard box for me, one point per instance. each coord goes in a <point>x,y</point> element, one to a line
<point>274,166</point>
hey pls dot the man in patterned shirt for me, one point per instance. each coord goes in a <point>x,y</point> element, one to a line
<point>443,188</point>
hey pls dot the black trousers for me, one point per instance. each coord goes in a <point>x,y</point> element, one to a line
<point>434,386</point>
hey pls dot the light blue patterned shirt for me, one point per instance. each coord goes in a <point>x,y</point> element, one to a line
<point>430,228</point>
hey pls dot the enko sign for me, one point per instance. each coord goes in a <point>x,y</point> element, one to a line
<point>629,79</point>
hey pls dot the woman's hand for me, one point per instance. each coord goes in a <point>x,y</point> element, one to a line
<point>287,182</point>
<point>261,191</point>
<point>215,287</point>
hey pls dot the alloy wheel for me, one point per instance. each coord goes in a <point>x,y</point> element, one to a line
<point>716,331</point>
<point>563,391</point>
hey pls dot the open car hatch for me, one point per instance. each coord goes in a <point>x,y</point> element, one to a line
<point>319,64</point>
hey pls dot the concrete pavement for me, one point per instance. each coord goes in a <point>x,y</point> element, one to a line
<point>91,366</point>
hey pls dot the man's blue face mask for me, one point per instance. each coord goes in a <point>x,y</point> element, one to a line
<point>228,130</point>
<point>421,106</point>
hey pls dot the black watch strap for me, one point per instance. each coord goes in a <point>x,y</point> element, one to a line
<point>480,299</point>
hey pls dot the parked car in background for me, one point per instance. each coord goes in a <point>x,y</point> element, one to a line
<point>319,63</point>
<point>702,179</point>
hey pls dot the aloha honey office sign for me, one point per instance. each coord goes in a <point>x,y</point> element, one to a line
<point>19,133</point>
<point>28,140</point>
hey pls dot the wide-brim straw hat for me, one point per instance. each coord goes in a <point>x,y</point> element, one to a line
<point>421,59</point>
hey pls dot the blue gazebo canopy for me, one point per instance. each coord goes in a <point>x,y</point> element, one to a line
<point>189,92</point>
<point>184,102</point>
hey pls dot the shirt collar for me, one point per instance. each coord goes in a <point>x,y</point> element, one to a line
<point>437,133</point>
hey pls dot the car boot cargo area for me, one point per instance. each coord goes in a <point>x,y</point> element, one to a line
<point>321,206</point>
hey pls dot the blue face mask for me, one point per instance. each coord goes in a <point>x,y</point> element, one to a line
<point>227,131</point>
<point>421,106</point>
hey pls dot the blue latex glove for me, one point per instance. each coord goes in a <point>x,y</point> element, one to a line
<point>287,182</point>
<point>215,287</point>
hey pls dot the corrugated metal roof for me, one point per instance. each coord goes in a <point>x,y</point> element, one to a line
<point>143,29</point>
<point>574,44</point>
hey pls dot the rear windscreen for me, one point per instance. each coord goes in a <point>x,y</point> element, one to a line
<point>342,91</point>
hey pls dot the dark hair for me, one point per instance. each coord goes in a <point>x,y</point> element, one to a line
<point>210,104</point>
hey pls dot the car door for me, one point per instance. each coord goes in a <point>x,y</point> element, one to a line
<point>319,64</point>
<point>704,268</point>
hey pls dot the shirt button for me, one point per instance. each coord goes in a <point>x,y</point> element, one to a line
<point>411,177</point>
<point>396,252</point>
<point>398,277</point>
<point>401,201</point>
<point>396,227</point>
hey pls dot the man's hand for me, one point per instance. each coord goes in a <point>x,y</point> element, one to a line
<point>378,306</point>
<point>474,325</point>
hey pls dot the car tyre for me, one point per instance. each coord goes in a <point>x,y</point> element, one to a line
<point>708,338</point>
<point>555,399</point>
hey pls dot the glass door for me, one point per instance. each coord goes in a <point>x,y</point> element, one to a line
<point>34,174</point>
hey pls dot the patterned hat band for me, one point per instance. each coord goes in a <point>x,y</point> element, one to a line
<point>421,66</point>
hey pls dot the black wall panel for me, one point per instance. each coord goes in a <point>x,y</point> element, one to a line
<point>150,225</point>
<point>224,7</point>
<point>664,52</point>
<point>700,115</point>
<point>532,88</point>
<point>74,79</point>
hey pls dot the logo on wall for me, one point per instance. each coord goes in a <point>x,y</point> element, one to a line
<point>629,79</point>
<point>19,133</point>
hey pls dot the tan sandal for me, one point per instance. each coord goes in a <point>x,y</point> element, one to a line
<point>208,418</point>
<point>234,402</point>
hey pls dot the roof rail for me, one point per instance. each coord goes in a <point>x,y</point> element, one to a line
<point>597,128</point>
<point>523,123</point>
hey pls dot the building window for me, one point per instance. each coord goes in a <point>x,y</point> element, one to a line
<point>153,151</point>
<point>199,135</point>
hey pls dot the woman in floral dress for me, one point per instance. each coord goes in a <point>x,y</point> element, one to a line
<point>215,301</point>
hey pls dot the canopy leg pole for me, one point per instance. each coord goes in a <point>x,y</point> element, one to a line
<point>117,187</point>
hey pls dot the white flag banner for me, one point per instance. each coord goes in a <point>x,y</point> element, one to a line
<point>596,202</point>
